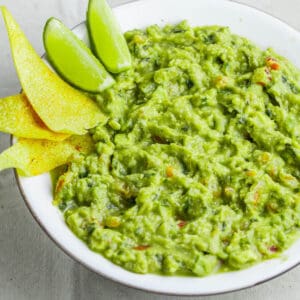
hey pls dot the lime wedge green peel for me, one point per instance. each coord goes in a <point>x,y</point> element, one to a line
<point>106,36</point>
<point>73,60</point>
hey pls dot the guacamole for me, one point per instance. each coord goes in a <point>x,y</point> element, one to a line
<point>197,168</point>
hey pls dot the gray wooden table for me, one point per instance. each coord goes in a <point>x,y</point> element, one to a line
<point>31,266</point>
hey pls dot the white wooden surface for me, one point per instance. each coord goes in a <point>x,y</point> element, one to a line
<point>31,265</point>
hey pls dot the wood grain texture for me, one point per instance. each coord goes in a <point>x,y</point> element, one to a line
<point>31,265</point>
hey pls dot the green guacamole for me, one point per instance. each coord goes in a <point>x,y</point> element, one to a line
<point>197,169</point>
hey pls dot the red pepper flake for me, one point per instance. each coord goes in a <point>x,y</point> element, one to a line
<point>261,83</point>
<point>78,148</point>
<point>275,66</point>
<point>170,171</point>
<point>141,247</point>
<point>182,223</point>
<point>272,63</point>
<point>273,248</point>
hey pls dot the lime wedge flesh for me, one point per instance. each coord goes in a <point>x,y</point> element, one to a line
<point>107,39</point>
<point>73,60</point>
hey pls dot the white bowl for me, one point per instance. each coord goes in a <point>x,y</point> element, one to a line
<point>37,191</point>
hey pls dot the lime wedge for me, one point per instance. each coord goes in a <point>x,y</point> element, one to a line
<point>107,39</point>
<point>73,60</point>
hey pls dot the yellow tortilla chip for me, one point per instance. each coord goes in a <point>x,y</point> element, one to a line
<point>18,118</point>
<point>33,157</point>
<point>61,107</point>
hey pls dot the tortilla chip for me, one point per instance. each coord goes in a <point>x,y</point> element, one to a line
<point>18,118</point>
<point>61,107</point>
<point>33,157</point>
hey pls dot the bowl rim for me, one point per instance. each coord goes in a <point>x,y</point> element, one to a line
<point>122,282</point>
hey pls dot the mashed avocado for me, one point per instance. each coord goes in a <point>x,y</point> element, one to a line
<point>197,169</point>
